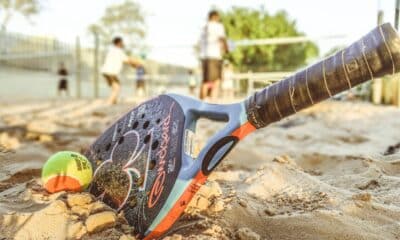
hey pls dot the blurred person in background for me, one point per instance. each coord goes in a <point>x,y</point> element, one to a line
<point>114,61</point>
<point>228,91</point>
<point>63,80</point>
<point>213,45</point>
<point>140,81</point>
<point>192,83</point>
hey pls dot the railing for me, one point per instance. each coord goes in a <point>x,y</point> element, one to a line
<point>244,83</point>
<point>33,52</point>
<point>256,81</point>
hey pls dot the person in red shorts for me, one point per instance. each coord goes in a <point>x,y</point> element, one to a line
<point>213,45</point>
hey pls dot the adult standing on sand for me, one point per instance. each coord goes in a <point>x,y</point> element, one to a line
<point>213,45</point>
<point>115,59</point>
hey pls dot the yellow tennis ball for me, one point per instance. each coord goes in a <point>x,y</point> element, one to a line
<point>67,171</point>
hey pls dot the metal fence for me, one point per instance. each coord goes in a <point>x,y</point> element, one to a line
<point>34,52</point>
<point>244,83</point>
<point>43,53</point>
<point>248,83</point>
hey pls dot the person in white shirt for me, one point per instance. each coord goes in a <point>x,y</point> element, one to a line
<point>114,61</point>
<point>212,47</point>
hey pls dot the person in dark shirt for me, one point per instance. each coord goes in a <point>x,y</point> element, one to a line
<point>140,81</point>
<point>63,81</point>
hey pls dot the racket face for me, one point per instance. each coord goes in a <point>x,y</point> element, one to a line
<point>143,162</point>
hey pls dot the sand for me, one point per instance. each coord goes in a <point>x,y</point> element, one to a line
<point>330,172</point>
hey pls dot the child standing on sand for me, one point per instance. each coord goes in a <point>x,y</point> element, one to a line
<point>115,59</point>
<point>140,81</point>
<point>63,82</point>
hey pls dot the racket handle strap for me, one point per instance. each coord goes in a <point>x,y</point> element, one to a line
<point>373,56</point>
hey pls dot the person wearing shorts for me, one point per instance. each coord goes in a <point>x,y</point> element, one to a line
<point>140,81</point>
<point>63,82</point>
<point>114,61</point>
<point>111,79</point>
<point>212,46</point>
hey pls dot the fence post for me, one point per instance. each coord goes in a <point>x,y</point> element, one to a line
<point>56,54</point>
<point>250,82</point>
<point>78,67</point>
<point>96,65</point>
<point>397,78</point>
<point>377,83</point>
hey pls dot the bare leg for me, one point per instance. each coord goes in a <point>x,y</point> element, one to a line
<point>215,89</point>
<point>115,89</point>
<point>203,90</point>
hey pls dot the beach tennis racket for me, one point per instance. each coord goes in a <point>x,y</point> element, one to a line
<point>145,165</point>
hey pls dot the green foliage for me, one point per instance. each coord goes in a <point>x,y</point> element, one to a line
<point>243,23</point>
<point>334,50</point>
<point>8,8</point>
<point>126,19</point>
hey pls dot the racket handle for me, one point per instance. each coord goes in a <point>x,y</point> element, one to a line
<point>373,56</point>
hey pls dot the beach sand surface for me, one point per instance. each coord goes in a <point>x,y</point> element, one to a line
<point>329,172</point>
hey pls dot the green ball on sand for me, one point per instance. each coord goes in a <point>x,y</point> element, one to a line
<point>67,171</point>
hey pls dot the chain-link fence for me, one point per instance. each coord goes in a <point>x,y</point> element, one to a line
<point>33,61</point>
<point>34,52</point>
<point>22,57</point>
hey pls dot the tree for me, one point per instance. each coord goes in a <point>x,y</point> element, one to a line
<point>243,23</point>
<point>26,8</point>
<point>126,19</point>
<point>334,50</point>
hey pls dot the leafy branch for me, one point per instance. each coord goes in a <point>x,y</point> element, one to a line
<point>126,19</point>
<point>9,8</point>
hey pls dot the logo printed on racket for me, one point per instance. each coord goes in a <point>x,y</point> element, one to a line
<point>134,172</point>
<point>129,169</point>
<point>158,185</point>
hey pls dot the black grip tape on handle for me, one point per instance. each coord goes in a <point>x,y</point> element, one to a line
<point>374,55</point>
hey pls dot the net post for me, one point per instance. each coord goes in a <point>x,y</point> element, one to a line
<point>96,65</point>
<point>78,67</point>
